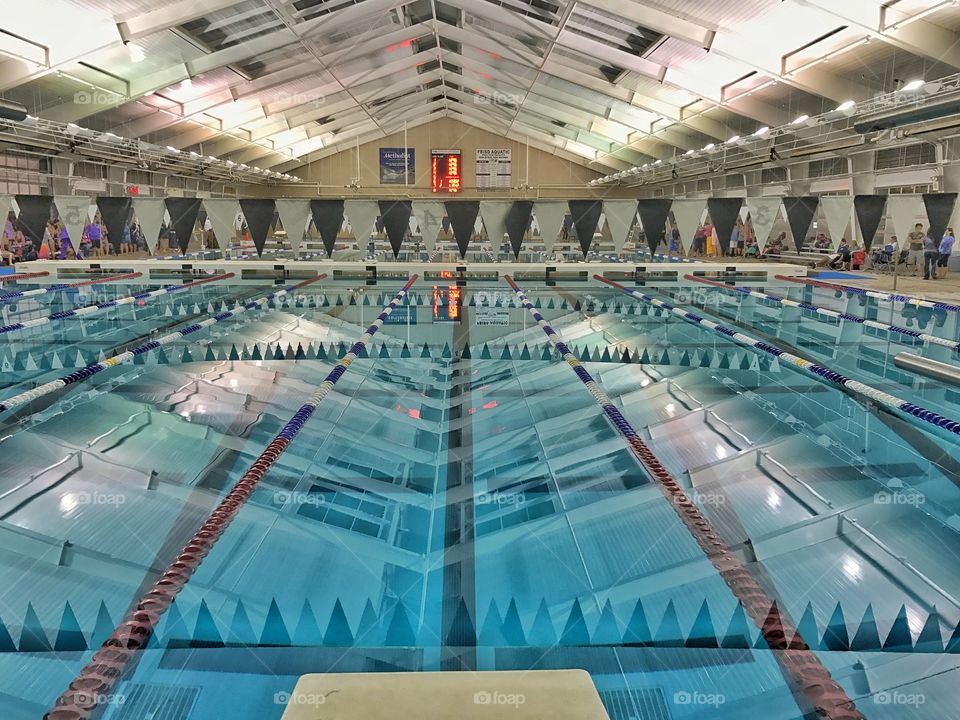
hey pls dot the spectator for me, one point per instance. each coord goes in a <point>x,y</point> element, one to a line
<point>841,261</point>
<point>946,247</point>
<point>735,238</point>
<point>915,245</point>
<point>699,247</point>
<point>931,254</point>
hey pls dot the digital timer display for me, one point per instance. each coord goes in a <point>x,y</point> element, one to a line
<point>446,171</point>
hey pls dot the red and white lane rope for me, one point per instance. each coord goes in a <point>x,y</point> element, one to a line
<point>827,312</point>
<point>799,663</point>
<point>22,276</point>
<point>905,299</point>
<point>855,386</point>
<point>107,665</point>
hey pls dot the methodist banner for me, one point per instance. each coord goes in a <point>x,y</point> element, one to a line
<point>586,217</point>
<point>724,213</point>
<point>800,214</point>
<point>837,211</point>
<point>430,216</point>
<point>494,169</point>
<point>905,213</point>
<point>870,210</point>
<point>362,215</point>
<point>494,214</point>
<point>550,215</point>
<point>393,169</point>
<point>222,214</point>
<point>653,217</point>
<point>149,212</point>
<point>327,218</point>
<point>72,211</point>
<point>396,221</point>
<point>620,216</point>
<point>688,214</point>
<point>939,209</point>
<point>259,216</point>
<point>518,222</point>
<point>463,218</point>
<point>34,214</point>
<point>763,216</point>
<point>115,212</point>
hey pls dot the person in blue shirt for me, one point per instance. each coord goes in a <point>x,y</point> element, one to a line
<point>946,247</point>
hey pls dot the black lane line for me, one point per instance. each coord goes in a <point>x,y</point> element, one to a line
<point>459,610</point>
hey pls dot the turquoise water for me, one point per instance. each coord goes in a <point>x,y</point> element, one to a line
<point>442,513</point>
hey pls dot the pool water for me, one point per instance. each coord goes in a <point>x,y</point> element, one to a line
<point>459,502</point>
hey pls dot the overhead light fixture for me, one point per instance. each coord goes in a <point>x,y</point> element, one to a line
<point>708,148</point>
<point>762,131</point>
<point>186,84</point>
<point>193,153</point>
<point>734,140</point>
<point>172,149</point>
<point>800,120</point>
<point>230,162</point>
<point>688,153</point>
<point>211,158</point>
<point>848,105</point>
<point>658,162</point>
<point>912,85</point>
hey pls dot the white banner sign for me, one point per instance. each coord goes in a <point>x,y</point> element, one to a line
<point>494,169</point>
<point>491,316</point>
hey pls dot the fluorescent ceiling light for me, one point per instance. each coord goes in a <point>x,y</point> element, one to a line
<point>762,131</point>
<point>912,85</point>
<point>734,140</point>
<point>846,105</point>
<point>709,147</point>
<point>800,120</point>
<point>172,149</point>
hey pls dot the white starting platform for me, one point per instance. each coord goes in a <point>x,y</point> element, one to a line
<point>261,271</point>
<point>517,695</point>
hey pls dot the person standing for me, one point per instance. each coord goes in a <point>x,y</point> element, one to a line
<point>915,245</point>
<point>946,247</point>
<point>931,254</point>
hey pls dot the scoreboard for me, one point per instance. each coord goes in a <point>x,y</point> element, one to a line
<point>446,171</point>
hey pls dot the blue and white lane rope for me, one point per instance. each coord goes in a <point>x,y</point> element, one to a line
<point>80,700</point>
<point>802,667</point>
<point>99,307</point>
<point>90,370</point>
<point>20,294</point>
<point>905,299</point>
<point>855,386</point>
<point>827,312</point>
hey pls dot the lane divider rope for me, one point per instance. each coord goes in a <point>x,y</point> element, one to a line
<point>22,276</point>
<point>94,368</point>
<point>93,309</point>
<point>12,296</point>
<point>105,668</point>
<point>906,299</point>
<point>787,302</point>
<point>855,386</point>
<point>800,664</point>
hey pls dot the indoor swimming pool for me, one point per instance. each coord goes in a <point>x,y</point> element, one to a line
<point>465,491</point>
